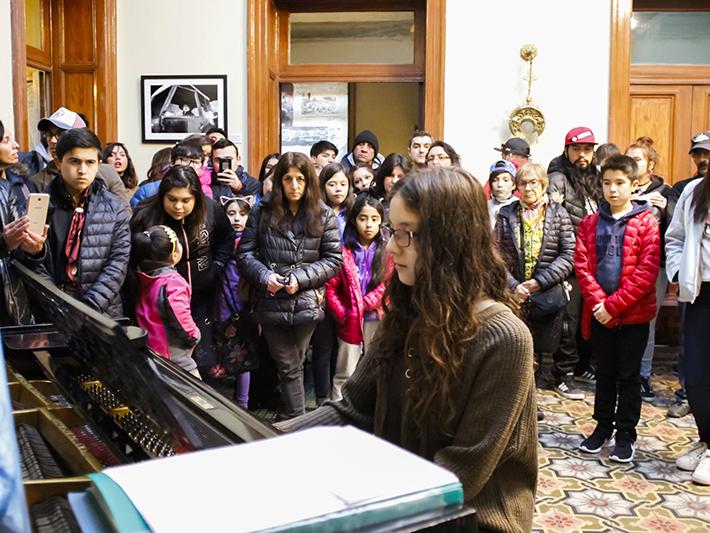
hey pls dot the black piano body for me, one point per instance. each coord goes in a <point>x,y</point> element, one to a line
<point>140,405</point>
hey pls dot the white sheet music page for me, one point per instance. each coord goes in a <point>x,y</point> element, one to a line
<point>273,482</point>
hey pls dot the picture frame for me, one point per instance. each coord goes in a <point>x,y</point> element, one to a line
<point>174,107</point>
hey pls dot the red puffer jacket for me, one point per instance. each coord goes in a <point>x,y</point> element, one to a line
<point>634,302</point>
<point>346,302</point>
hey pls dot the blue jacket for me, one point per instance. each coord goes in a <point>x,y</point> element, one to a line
<point>145,190</point>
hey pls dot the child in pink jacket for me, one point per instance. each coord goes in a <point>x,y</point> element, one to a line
<point>354,295</point>
<point>163,307</point>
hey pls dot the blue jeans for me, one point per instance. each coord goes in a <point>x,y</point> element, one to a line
<point>647,359</point>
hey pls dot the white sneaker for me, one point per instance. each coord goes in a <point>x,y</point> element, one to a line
<point>689,460</point>
<point>701,475</point>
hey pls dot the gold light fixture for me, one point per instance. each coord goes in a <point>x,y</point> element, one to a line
<point>527,121</point>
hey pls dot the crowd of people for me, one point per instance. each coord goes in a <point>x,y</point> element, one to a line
<point>422,298</point>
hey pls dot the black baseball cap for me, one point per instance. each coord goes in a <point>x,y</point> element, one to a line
<point>515,145</point>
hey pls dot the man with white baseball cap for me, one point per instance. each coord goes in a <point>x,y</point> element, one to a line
<point>53,128</point>
<point>49,128</point>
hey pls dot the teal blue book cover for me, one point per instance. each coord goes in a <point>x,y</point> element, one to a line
<point>13,506</point>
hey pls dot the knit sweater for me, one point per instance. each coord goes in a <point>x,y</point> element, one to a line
<point>492,447</point>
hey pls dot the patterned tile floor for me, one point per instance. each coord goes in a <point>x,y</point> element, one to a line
<point>578,492</point>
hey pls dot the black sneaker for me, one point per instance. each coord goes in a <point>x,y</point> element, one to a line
<point>588,376</point>
<point>595,442</point>
<point>647,393</point>
<point>623,452</point>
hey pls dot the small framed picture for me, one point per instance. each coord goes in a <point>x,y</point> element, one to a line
<point>177,106</point>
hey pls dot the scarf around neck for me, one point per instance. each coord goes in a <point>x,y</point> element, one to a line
<point>73,244</point>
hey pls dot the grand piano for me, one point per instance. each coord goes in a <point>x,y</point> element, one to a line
<point>131,404</point>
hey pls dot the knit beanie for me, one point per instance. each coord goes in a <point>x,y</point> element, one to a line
<point>368,137</point>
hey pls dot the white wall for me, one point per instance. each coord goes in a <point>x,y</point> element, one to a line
<point>6,101</point>
<point>179,37</point>
<point>484,73</point>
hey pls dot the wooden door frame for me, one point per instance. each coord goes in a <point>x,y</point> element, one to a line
<point>106,93</point>
<point>623,73</point>
<point>267,67</point>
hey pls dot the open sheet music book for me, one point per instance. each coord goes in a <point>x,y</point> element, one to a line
<point>332,478</point>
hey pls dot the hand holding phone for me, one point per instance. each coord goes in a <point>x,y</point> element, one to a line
<point>37,207</point>
<point>225,164</point>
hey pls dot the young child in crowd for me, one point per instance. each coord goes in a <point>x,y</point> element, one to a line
<point>617,261</point>
<point>361,178</point>
<point>163,307</point>
<point>502,183</point>
<point>230,301</point>
<point>337,191</point>
<point>354,296</point>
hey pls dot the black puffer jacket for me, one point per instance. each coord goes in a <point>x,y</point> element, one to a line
<point>663,216</point>
<point>556,258</point>
<point>264,250</point>
<point>203,255</point>
<point>579,199</point>
<point>16,309</point>
<point>104,251</point>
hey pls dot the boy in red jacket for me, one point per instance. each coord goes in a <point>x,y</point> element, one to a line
<point>617,261</point>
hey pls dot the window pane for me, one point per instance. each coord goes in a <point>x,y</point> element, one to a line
<point>312,112</point>
<point>38,100</point>
<point>670,38</point>
<point>33,23</point>
<point>362,37</point>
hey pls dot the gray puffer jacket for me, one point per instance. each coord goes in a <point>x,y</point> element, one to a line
<point>556,258</point>
<point>264,250</point>
<point>105,246</point>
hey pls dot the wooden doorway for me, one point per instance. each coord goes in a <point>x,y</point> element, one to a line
<point>270,62</point>
<point>667,102</point>
<point>71,44</point>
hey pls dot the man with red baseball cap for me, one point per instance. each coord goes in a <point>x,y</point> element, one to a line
<point>576,184</point>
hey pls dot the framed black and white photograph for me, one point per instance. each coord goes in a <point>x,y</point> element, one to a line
<point>174,107</point>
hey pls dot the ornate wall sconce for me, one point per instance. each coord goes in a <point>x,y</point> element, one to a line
<point>527,121</point>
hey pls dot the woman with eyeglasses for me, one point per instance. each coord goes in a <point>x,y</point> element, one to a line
<point>662,199</point>
<point>536,239</point>
<point>688,263</point>
<point>205,234</point>
<point>288,250</point>
<point>442,154</point>
<point>449,375</point>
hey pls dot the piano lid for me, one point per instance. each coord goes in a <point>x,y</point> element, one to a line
<point>102,345</point>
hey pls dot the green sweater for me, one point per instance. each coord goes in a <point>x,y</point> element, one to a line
<point>493,449</point>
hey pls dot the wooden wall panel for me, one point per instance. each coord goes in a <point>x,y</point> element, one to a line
<point>701,109</point>
<point>79,90</point>
<point>619,100</point>
<point>78,22</point>
<point>663,113</point>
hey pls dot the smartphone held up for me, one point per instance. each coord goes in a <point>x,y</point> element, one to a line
<point>37,208</point>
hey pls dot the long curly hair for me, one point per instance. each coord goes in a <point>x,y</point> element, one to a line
<point>457,266</point>
<point>276,207</point>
